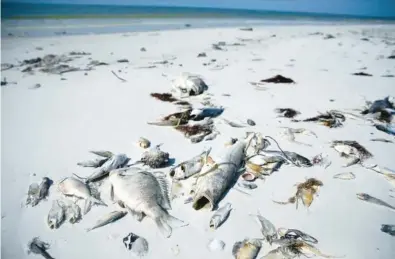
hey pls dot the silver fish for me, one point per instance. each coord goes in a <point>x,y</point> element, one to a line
<point>189,167</point>
<point>36,246</point>
<point>268,230</point>
<point>389,229</point>
<point>235,124</point>
<point>115,162</point>
<point>246,249</point>
<point>56,215</point>
<point>107,219</point>
<point>102,153</point>
<point>220,216</point>
<point>97,162</point>
<point>211,187</point>
<point>371,199</point>
<point>74,187</point>
<point>73,213</point>
<point>144,193</point>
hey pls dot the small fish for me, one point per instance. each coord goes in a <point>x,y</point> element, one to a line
<point>190,167</point>
<point>247,185</point>
<point>107,219</point>
<point>73,213</point>
<point>293,234</point>
<point>246,249</point>
<point>74,187</point>
<point>220,216</point>
<point>155,158</point>
<point>215,245</point>
<point>389,229</point>
<point>235,124</point>
<point>371,199</point>
<point>56,215</point>
<point>344,176</point>
<point>114,162</point>
<point>381,140</point>
<point>211,136</point>
<point>145,193</point>
<point>251,122</point>
<point>281,252</point>
<point>268,230</point>
<point>144,143</point>
<point>36,246</point>
<point>97,162</point>
<point>102,153</point>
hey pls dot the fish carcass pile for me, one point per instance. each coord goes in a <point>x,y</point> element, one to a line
<point>204,180</point>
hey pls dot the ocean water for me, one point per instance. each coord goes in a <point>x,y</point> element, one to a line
<point>24,19</point>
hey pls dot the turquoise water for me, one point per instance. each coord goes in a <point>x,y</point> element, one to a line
<point>23,19</point>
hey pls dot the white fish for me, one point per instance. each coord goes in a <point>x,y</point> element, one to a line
<point>144,193</point>
<point>344,176</point>
<point>220,216</point>
<point>74,187</point>
<point>56,215</point>
<point>107,219</point>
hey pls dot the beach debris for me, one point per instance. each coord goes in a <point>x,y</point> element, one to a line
<point>212,184</point>
<point>164,97</point>
<point>155,158</point>
<point>321,160</point>
<point>246,249</point>
<point>380,105</point>
<point>216,46</point>
<point>220,216</point>
<point>249,177</point>
<point>70,186</point>
<point>36,86</point>
<point>298,248</point>
<point>215,245</point>
<point>389,129</point>
<point>143,49</point>
<point>6,66</point>
<point>361,74</point>
<point>38,247</point>
<point>174,119</point>
<point>389,229</point>
<point>202,113</point>
<point>246,29</point>
<point>144,143</point>
<point>196,132</point>
<point>352,150</point>
<point>145,193</point>
<point>286,112</point>
<point>123,60</point>
<point>120,78</point>
<point>278,79</point>
<point>251,122</point>
<point>188,84</point>
<point>79,53</point>
<point>202,55</point>
<point>138,245</point>
<point>344,176</point>
<point>107,219</point>
<point>175,250</point>
<point>267,228</point>
<point>211,136</point>
<point>190,167</point>
<point>381,140</point>
<point>73,213</point>
<point>96,63</point>
<point>368,198</point>
<point>37,192</point>
<point>102,153</point>
<point>295,234</point>
<point>331,119</point>
<point>234,124</point>
<point>97,162</point>
<point>56,215</point>
<point>289,134</point>
<point>288,157</point>
<point>305,192</point>
<point>328,36</point>
<point>247,185</point>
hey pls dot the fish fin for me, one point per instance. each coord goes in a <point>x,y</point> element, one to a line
<point>87,206</point>
<point>138,215</point>
<point>102,153</point>
<point>165,202</point>
<point>167,222</point>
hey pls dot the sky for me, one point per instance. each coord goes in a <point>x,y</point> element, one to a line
<point>379,8</point>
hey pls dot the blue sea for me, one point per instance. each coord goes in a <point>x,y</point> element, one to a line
<point>24,19</point>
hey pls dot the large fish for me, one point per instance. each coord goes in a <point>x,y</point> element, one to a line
<point>144,194</point>
<point>211,187</point>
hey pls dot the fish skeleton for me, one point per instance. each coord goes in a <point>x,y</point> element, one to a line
<point>107,219</point>
<point>56,215</point>
<point>36,246</point>
<point>144,193</point>
<point>219,179</point>
<point>268,230</point>
<point>246,249</point>
<point>371,199</point>
<point>74,187</point>
<point>189,167</point>
<point>220,216</point>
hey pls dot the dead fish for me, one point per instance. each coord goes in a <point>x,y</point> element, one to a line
<point>381,140</point>
<point>73,213</point>
<point>389,229</point>
<point>74,187</point>
<point>56,215</point>
<point>114,162</point>
<point>331,119</point>
<point>220,216</point>
<point>97,162</point>
<point>155,158</point>
<point>293,234</point>
<point>378,105</point>
<point>215,245</point>
<point>36,246</point>
<point>144,193</point>
<point>268,230</point>
<point>107,219</point>
<point>247,185</point>
<point>309,250</point>
<point>211,136</point>
<point>344,176</point>
<point>222,175</point>
<point>33,194</point>
<point>281,252</point>
<point>246,249</point>
<point>371,199</point>
<point>386,128</point>
<point>102,153</point>
<point>351,149</point>
<point>287,112</point>
<point>292,157</point>
<point>234,124</point>
<point>251,122</point>
<point>190,167</point>
<point>201,113</point>
<point>144,143</point>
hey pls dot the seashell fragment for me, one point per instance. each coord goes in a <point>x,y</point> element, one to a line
<point>144,143</point>
<point>215,245</point>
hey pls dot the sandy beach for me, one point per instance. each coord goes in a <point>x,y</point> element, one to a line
<point>50,122</point>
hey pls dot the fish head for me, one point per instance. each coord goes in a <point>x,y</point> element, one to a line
<point>363,196</point>
<point>215,221</point>
<point>52,223</point>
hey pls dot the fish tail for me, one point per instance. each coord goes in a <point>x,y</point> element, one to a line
<point>167,222</point>
<point>46,255</point>
<point>87,206</point>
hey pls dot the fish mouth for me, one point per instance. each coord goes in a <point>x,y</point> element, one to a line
<point>203,201</point>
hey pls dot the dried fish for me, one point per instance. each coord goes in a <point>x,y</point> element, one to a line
<point>351,149</point>
<point>190,167</point>
<point>371,199</point>
<point>36,246</point>
<point>107,219</point>
<point>97,162</point>
<point>344,176</point>
<point>220,216</point>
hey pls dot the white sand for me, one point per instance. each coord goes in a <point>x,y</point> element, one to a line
<point>46,131</point>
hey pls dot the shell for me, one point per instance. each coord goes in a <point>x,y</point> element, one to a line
<point>144,143</point>
<point>248,176</point>
<point>344,176</point>
<point>215,245</point>
<point>140,247</point>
